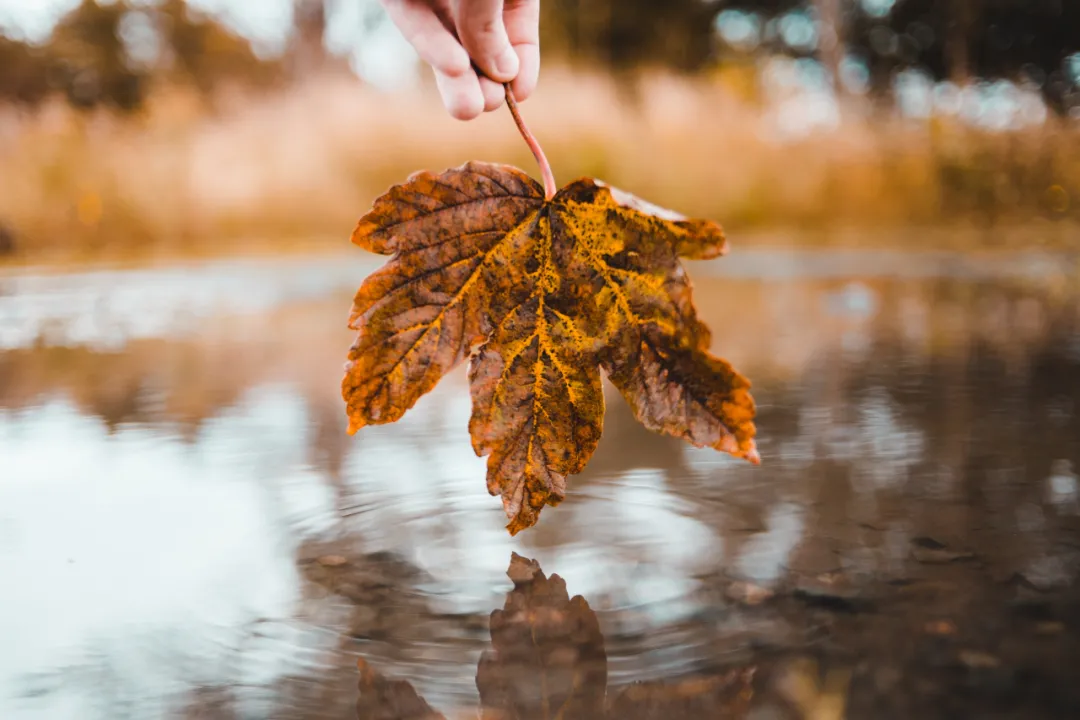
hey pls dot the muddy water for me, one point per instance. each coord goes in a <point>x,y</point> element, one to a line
<point>186,531</point>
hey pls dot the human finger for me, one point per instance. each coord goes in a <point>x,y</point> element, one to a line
<point>494,93</point>
<point>436,45</point>
<point>433,41</point>
<point>481,31</point>
<point>462,95</point>
<point>522,21</point>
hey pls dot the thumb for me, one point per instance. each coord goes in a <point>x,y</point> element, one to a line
<point>482,32</point>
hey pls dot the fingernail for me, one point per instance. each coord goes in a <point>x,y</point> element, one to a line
<point>507,63</point>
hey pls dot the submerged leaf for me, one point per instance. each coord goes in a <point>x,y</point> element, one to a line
<point>541,294</point>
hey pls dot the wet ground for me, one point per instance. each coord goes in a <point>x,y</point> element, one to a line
<point>187,532</point>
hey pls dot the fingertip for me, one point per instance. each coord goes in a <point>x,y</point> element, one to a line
<point>465,109</point>
<point>521,18</point>
<point>529,73</point>
<point>482,33</point>
<point>505,66</point>
<point>461,95</point>
<point>463,114</point>
<point>494,94</point>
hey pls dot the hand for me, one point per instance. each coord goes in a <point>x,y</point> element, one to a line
<point>500,37</point>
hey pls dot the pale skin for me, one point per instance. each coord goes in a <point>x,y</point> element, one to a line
<point>474,46</point>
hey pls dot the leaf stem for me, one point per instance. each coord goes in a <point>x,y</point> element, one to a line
<point>545,168</point>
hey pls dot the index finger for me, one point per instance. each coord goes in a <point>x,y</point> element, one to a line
<point>433,42</point>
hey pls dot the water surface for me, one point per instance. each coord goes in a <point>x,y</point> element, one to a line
<point>186,530</point>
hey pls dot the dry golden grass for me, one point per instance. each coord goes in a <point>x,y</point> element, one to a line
<point>297,169</point>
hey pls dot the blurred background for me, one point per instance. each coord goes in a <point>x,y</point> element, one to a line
<point>143,126</point>
<point>187,532</point>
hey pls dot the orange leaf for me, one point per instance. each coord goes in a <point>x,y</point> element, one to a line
<point>541,294</point>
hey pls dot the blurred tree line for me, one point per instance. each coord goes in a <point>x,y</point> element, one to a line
<point>109,52</point>
<point>1021,40</point>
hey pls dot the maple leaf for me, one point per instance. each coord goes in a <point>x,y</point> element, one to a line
<point>540,290</point>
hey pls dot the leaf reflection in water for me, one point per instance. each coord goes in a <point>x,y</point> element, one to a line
<point>547,661</point>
